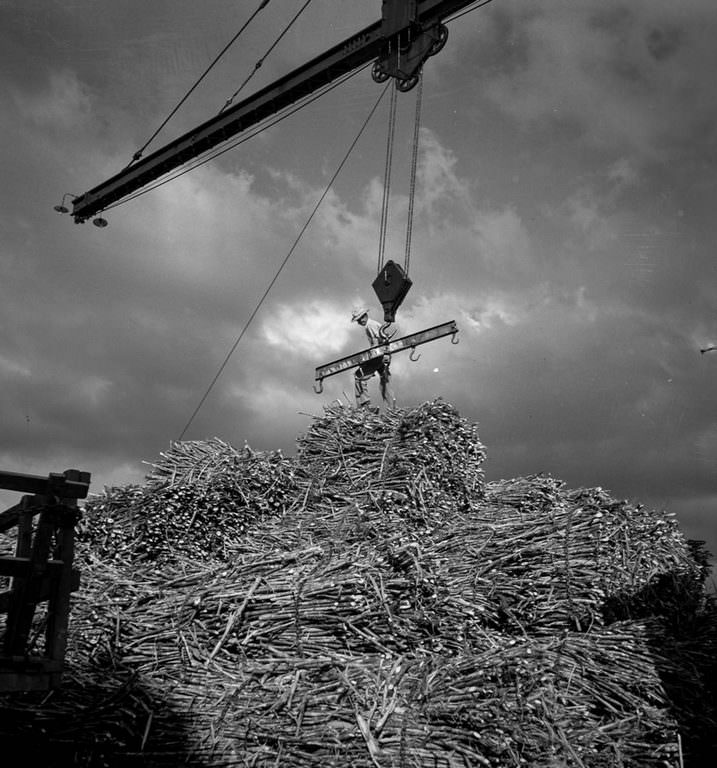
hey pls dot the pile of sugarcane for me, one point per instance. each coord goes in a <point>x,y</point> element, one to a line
<point>200,497</point>
<point>374,602</point>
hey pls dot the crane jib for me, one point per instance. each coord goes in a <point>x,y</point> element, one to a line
<point>358,50</point>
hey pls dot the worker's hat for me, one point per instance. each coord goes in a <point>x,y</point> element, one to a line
<point>359,313</point>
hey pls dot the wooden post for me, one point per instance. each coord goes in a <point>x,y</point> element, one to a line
<point>58,611</point>
<point>27,590</point>
<point>41,570</point>
<point>24,528</point>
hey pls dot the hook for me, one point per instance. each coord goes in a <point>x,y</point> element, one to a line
<point>384,334</point>
<point>413,355</point>
<point>454,338</point>
<point>321,387</point>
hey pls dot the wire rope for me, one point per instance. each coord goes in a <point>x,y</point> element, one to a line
<point>138,154</point>
<point>412,182</point>
<point>259,63</point>
<point>387,178</point>
<point>283,264</point>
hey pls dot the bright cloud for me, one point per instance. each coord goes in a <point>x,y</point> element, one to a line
<point>12,368</point>
<point>440,190</point>
<point>314,330</point>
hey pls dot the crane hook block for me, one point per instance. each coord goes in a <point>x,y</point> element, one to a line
<point>391,286</point>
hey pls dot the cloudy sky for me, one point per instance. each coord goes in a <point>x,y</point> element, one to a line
<point>564,218</point>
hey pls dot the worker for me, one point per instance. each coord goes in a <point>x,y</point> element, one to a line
<point>381,365</point>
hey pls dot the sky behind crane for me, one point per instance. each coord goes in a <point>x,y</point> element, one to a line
<point>564,218</point>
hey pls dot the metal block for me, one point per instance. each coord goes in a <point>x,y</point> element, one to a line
<point>397,15</point>
<point>391,286</point>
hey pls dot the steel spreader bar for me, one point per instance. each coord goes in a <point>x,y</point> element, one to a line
<point>406,342</point>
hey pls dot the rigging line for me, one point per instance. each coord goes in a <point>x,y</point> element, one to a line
<point>257,66</point>
<point>387,177</point>
<point>283,263</point>
<point>469,10</point>
<point>138,154</point>
<point>414,163</point>
<point>209,157</point>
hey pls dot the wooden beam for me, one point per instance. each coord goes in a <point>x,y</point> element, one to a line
<point>21,680</point>
<point>44,592</point>
<point>27,508</point>
<point>70,484</point>
<point>21,567</point>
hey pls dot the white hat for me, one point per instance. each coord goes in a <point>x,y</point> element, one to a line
<point>359,313</point>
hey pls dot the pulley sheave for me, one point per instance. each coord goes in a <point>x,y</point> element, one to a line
<point>407,43</point>
<point>391,286</point>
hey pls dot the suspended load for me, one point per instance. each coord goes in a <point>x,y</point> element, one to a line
<point>391,286</point>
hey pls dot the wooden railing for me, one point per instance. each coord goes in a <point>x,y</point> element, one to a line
<point>40,571</point>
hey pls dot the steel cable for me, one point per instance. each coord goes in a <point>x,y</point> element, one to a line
<point>412,183</point>
<point>283,264</point>
<point>259,63</point>
<point>138,154</point>
<point>387,177</point>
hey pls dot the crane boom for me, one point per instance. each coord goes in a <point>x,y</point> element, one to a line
<point>404,37</point>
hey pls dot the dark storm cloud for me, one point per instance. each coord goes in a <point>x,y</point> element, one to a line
<point>615,71</point>
<point>663,42</point>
